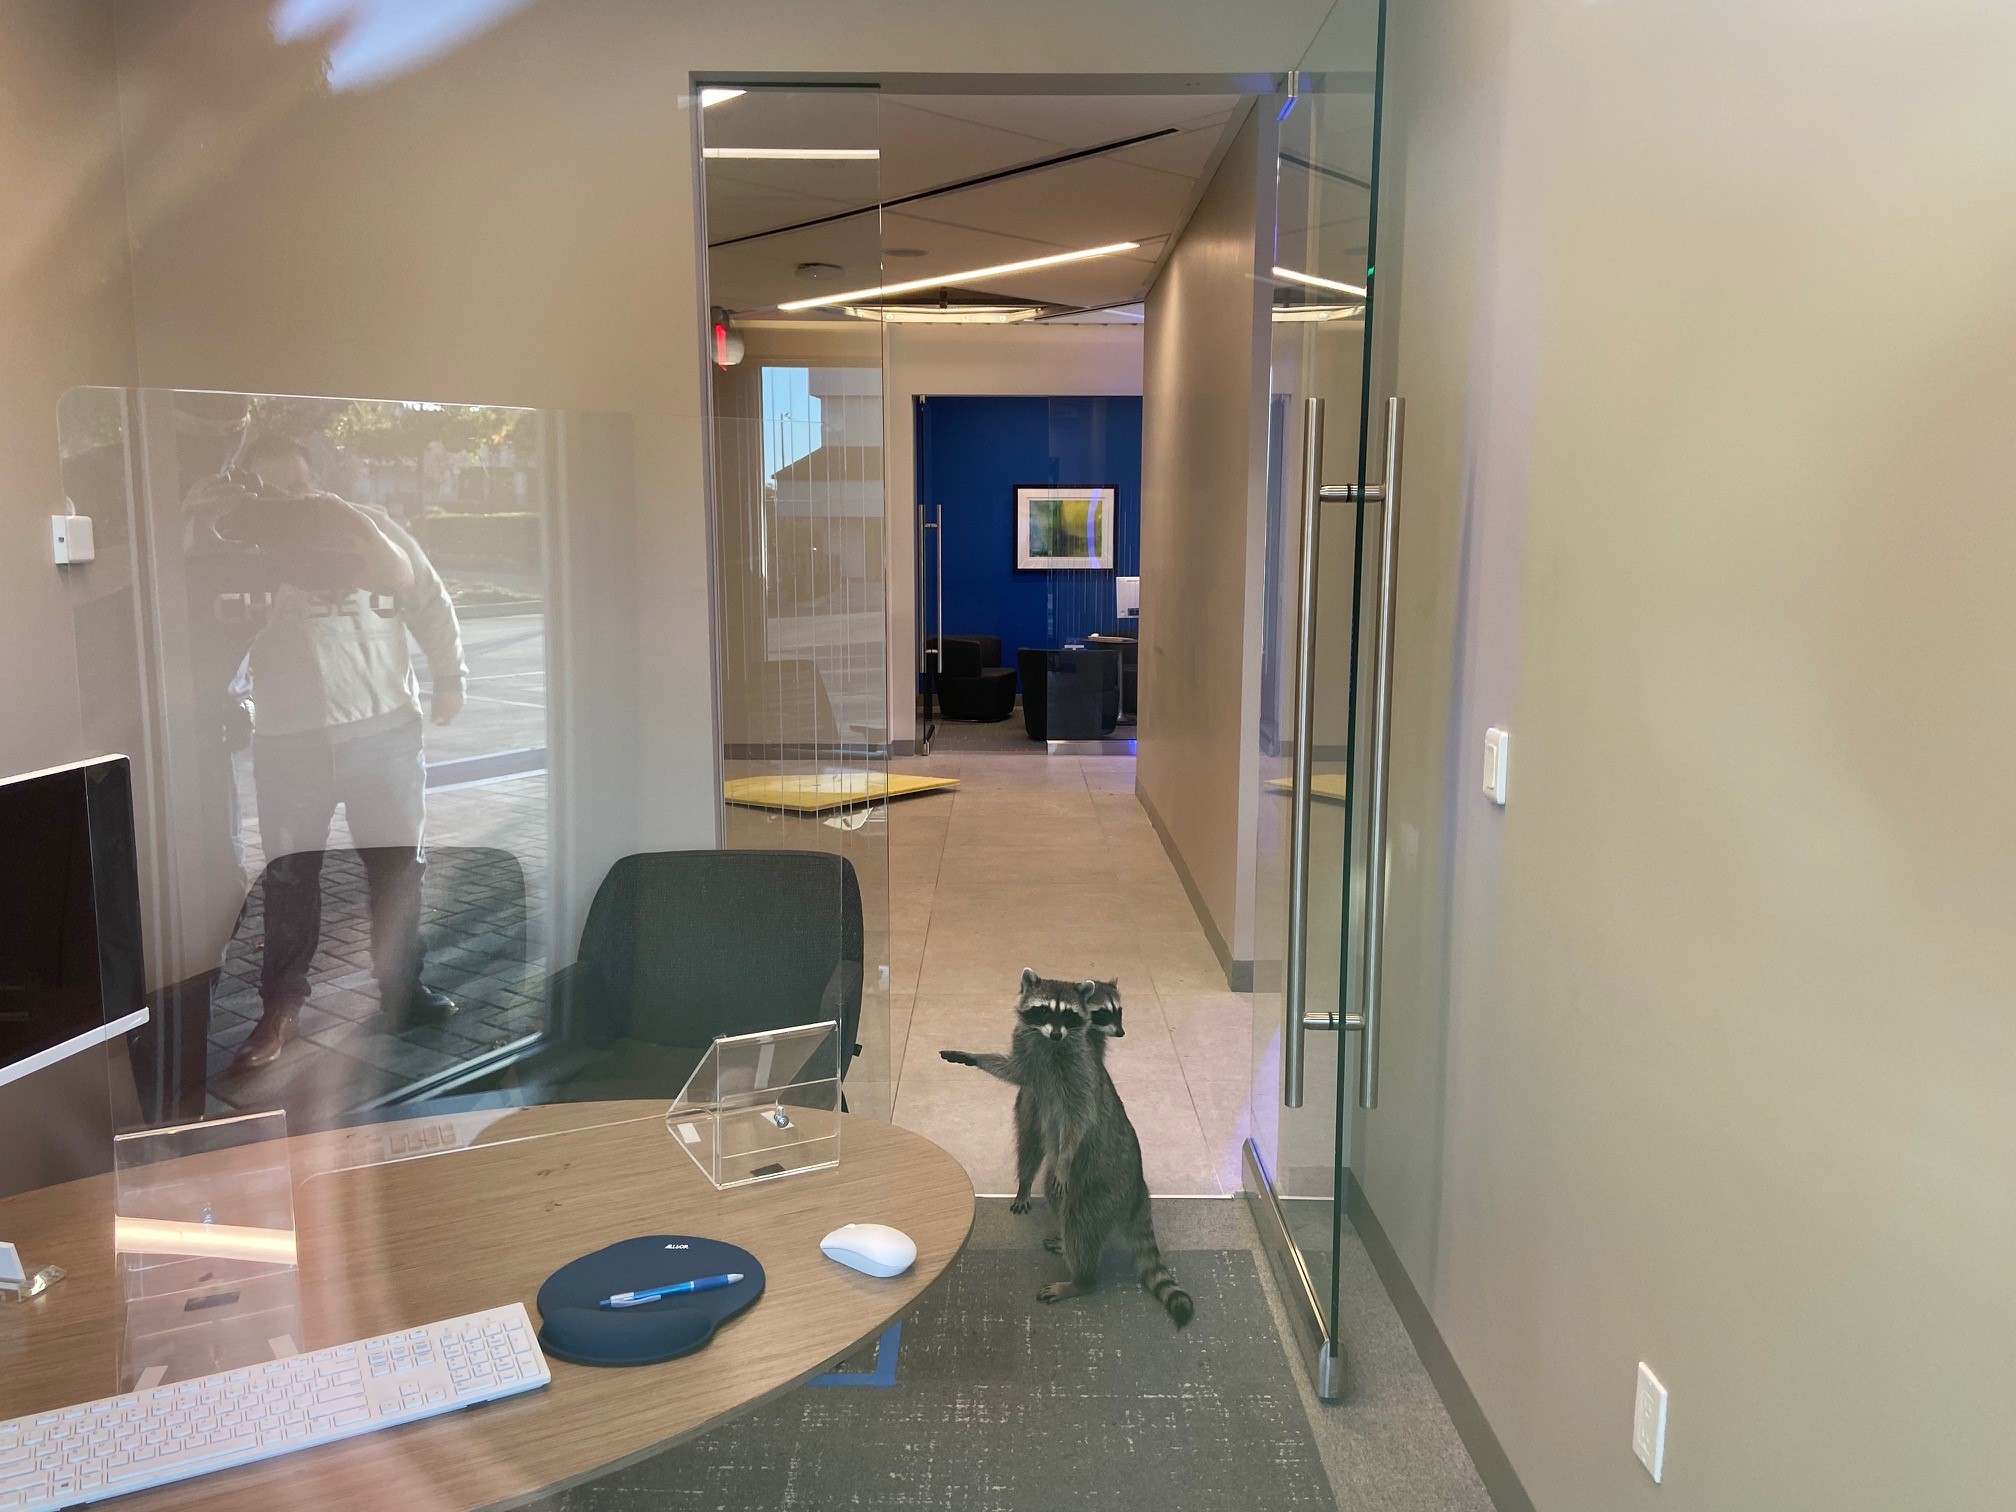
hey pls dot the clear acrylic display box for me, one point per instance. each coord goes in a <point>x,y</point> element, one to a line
<point>203,1226</point>
<point>762,1105</point>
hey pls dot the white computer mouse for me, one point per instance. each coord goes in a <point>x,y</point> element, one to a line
<point>875,1249</point>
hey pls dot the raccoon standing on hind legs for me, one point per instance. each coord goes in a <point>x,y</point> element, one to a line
<point>1070,1124</point>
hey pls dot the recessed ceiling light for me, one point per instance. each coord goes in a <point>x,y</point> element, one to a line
<point>1318,312</point>
<point>944,314</point>
<point>715,95</point>
<point>855,296</point>
<point>817,269</point>
<point>796,154</point>
<point>902,251</point>
<point>1318,283</point>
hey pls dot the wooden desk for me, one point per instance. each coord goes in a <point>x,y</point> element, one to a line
<point>394,1246</point>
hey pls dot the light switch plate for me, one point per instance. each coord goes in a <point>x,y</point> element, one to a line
<point>1497,758</point>
<point>1648,1423</point>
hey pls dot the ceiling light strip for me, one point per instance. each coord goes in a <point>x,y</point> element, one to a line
<point>1318,283</point>
<point>952,188</point>
<point>796,154</point>
<point>999,270</point>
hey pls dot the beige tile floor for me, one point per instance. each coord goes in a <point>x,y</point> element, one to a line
<point>1050,862</point>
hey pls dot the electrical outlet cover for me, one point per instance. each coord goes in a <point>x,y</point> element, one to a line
<point>1648,1423</point>
<point>1497,758</point>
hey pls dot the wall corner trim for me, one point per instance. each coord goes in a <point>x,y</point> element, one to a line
<point>1238,973</point>
<point>1494,1468</point>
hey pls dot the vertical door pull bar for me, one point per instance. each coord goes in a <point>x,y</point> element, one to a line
<point>1382,748</point>
<point>1295,983</point>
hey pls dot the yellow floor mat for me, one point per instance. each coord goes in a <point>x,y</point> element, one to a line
<point>817,792</point>
<point>1328,785</point>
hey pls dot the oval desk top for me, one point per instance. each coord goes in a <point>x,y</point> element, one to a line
<point>394,1246</point>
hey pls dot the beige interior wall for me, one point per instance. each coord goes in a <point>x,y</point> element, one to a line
<point>1203,518</point>
<point>513,222</point>
<point>1048,359</point>
<point>1698,1053</point>
<point>65,319</point>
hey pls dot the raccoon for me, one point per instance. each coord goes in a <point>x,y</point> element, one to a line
<point>1102,1003</point>
<point>1070,1125</point>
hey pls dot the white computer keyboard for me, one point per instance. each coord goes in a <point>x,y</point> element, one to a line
<point>170,1433</point>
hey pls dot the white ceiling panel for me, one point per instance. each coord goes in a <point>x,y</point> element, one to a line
<point>1137,194</point>
<point>1081,204</point>
<point>1187,154</point>
<point>748,197</point>
<point>1074,120</point>
<point>923,149</point>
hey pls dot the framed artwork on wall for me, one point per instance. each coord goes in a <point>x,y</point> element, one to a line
<point>1064,529</point>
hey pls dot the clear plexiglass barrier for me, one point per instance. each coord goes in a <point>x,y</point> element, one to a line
<point>208,1263</point>
<point>760,1106</point>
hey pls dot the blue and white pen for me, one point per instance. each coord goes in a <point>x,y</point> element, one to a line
<point>638,1298</point>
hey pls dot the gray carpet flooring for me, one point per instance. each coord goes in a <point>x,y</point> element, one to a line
<point>1002,1404</point>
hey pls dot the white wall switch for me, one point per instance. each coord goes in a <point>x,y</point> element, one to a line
<point>1497,756</point>
<point>1648,1423</point>
<point>70,539</point>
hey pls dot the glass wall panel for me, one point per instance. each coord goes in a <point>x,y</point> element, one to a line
<point>798,509</point>
<point>373,662</point>
<point>328,658</point>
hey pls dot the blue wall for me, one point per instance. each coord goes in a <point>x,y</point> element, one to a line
<point>972,454</point>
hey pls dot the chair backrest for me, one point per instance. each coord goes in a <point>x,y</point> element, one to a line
<point>963,657</point>
<point>683,946</point>
<point>968,655</point>
<point>1069,695</point>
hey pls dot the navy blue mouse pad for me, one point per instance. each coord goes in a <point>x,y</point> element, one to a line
<point>575,1329</point>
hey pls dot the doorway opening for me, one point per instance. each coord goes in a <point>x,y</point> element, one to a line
<point>950,536</point>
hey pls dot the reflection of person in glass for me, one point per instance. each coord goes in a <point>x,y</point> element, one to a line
<point>337,720</point>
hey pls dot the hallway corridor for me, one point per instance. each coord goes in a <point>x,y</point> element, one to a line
<point>1051,862</point>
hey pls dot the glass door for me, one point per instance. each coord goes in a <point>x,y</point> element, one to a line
<point>1328,505</point>
<point>792,180</point>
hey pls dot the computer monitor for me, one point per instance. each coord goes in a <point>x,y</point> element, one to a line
<point>71,971</point>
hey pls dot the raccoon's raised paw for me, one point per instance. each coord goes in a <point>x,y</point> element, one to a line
<point>1019,1206</point>
<point>1054,1244</point>
<point>957,1057</point>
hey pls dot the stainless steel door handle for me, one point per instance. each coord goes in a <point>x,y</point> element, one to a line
<point>1295,982</point>
<point>1297,1020</point>
<point>1382,748</point>
<point>924,648</point>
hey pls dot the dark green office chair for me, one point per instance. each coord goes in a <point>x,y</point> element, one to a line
<point>682,946</point>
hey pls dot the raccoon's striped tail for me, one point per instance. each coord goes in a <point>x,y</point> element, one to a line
<point>1155,1275</point>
